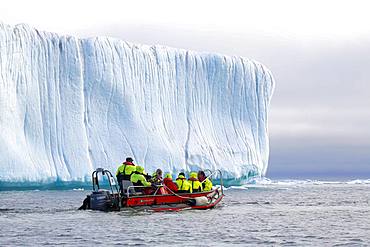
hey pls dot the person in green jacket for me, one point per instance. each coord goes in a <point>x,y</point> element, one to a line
<point>182,184</point>
<point>126,169</point>
<point>138,178</point>
<point>196,186</point>
<point>206,182</point>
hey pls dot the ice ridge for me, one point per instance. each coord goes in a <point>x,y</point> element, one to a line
<point>68,106</point>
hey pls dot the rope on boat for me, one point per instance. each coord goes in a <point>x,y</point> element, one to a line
<point>183,197</point>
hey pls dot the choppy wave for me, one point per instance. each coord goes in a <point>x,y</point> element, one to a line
<point>267,214</point>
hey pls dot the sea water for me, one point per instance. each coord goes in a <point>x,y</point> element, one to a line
<point>289,213</point>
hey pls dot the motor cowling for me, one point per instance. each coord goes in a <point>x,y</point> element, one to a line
<point>100,200</point>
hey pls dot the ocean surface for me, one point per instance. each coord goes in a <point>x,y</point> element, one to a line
<point>269,213</point>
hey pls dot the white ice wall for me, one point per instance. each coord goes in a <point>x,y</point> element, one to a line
<point>68,106</point>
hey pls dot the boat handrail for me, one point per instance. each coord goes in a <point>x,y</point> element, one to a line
<point>221,181</point>
<point>161,185</point>
<point>140,186</point>
<point>108,174</point>
<point>208,171</point>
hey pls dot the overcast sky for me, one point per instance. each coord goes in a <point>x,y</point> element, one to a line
<point>318,51</point>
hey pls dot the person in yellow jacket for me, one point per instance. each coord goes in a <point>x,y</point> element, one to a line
<point>126,169</point>
<point>182,184</point>
<point>157,177</point>
<point>138,178</point>
<point>206,182</point>
<point>196,186</point>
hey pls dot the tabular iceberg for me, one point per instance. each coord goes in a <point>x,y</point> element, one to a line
<point>69,105</point>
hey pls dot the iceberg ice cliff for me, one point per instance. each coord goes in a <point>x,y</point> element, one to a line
<point>68,106</point>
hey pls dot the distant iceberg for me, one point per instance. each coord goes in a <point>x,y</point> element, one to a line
<point>68,106</point>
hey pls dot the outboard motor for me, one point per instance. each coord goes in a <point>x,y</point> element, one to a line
<point>102,199</point>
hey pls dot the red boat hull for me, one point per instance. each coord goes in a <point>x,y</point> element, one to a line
<point>173,199</point>
<point>180,208</point>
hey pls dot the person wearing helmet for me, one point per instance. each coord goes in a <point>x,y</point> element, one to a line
<point>196,186</point>
<point>167,181</point>
<point>206,183</point>
<point>182,184</point>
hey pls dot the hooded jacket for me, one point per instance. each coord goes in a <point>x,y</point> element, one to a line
<point>169,183</point>
<point>196,186</point>
<point>183,185</point>
<point>125,170</point>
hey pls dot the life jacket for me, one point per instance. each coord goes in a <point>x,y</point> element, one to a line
<point>195,185</point>
<point>125,170</point>
<point>207,185</point>
<point>155,179</point>
<point>138,179</point>
<point>183,185</point>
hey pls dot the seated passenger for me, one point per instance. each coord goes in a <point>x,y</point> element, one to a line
<point>182,184</point>
<point>157,177</point>
<point>169,183</point>
<point>196,186</point>
<point>206,183</point>
<point>138,178</point>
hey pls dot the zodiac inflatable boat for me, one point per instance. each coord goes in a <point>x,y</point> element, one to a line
<point>163,199</point>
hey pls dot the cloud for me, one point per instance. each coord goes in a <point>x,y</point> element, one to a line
<point>307,157</point>
<point>330,124</point>
<point>305,19</point>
